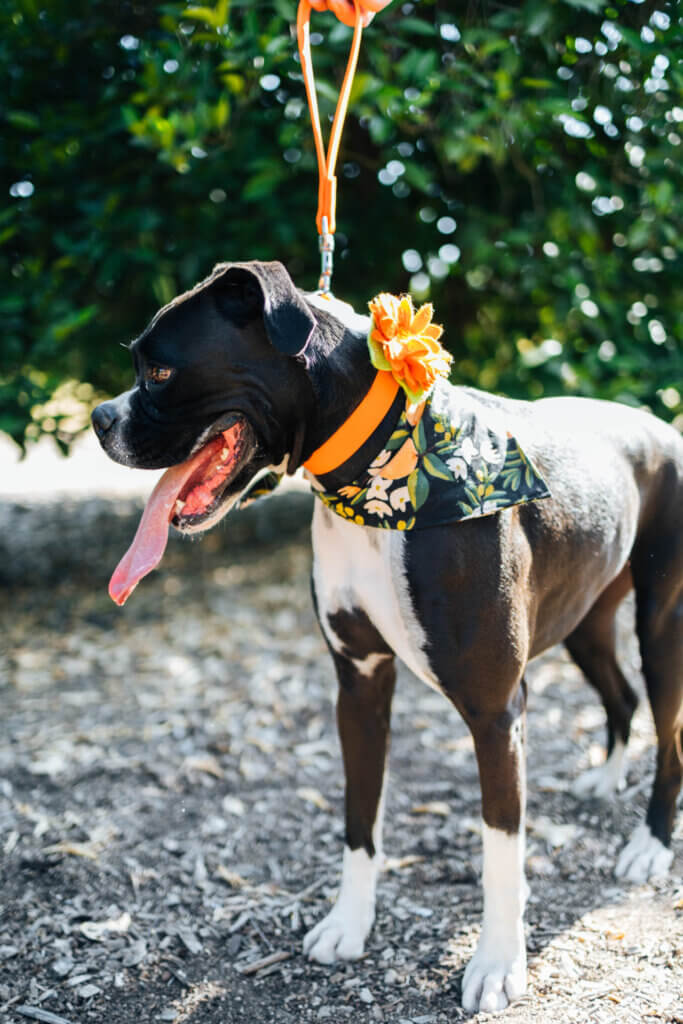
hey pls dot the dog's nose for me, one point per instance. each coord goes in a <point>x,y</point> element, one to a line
<point>103,418</point>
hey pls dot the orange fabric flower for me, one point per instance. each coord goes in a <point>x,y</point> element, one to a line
<point>406,343</point>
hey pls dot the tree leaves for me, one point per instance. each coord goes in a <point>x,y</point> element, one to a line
<point>216,17</point>
<point>151,141</point>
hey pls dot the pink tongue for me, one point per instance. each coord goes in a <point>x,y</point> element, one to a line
<point>151,537</point>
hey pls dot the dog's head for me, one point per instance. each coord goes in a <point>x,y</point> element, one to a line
<point>221,381</point>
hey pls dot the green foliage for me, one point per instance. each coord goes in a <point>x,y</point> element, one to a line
<point>519,165</point>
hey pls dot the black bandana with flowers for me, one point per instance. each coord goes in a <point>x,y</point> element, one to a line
<point>450,461</point>
<point>445,462</point>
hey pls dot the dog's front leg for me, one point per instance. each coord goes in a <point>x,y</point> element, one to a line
<point>366,688</point>
<point>496,974</point>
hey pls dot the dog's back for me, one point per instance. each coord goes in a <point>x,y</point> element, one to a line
<point>615,474</point>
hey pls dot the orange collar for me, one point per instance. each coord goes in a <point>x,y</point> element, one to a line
<point>356,430</point>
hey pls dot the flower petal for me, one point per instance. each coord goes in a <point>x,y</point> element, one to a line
<point>433,331</point>
<point>423,317</point>
<point>405,312</point>
<point>407,343</point>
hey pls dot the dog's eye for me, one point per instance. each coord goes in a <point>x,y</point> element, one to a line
<point>158,374</point>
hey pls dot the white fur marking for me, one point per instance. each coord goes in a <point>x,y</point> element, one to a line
<point>643,857</point>
<point>604,780</point>
<point>366,666</point>
<point>362,567</point>
<point>342,933</point>
<point>496,974</point>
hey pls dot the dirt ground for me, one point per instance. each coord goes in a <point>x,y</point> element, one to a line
<point>171,805</point>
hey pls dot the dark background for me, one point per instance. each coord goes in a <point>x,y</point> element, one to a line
<point>516,163</point>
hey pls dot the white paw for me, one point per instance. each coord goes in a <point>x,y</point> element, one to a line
<point>342,934</point>
<point>643,857</point>
<point>339,936</point>
<point>604,780</point>
<point>492,981</point>
<point>597,783</point>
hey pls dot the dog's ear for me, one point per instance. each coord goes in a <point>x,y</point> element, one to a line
<point>247,290</point>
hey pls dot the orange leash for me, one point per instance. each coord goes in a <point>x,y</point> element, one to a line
<point>355,13</point>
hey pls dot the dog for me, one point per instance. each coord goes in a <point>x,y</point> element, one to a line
<point>245,374</point>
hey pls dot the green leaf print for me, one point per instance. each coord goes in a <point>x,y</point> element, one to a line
<point>396,440</point>
<point>420,438</point>
<point>511,479</point>
<point>418,488</point>
<point>473,495</point>
<point>435,467</point>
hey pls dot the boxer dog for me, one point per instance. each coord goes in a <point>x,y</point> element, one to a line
<point>245,373</point>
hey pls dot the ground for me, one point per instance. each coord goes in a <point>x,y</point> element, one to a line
<point>171,804</point>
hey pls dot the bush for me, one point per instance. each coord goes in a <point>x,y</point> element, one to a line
<point>519,166</point>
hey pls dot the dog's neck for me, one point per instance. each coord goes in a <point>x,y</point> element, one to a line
<point>339,371</point>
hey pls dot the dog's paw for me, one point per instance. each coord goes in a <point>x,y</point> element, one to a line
<point>604,780</point>
<point>339,936</point>
<point>643,857</point>
<point>342,934</point>
<point>491,981</point>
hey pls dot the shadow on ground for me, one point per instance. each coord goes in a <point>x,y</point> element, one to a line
<point>171,803</point>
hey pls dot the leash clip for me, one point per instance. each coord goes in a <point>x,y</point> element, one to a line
<point>326,247</point>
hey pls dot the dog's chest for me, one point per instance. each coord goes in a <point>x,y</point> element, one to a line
<point>361,568</point>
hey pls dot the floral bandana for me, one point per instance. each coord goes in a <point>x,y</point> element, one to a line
<point>447,460</point>
<point>449,456</point>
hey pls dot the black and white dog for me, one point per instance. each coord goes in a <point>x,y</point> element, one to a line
<point>246,372</point>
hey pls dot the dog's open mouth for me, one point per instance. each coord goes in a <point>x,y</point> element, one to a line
<point>216,465</point>
<point>187,496</point>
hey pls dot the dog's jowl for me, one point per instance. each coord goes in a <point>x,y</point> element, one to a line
<point>463,537</point>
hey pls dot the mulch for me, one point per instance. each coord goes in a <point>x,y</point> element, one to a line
<point>171,803</point>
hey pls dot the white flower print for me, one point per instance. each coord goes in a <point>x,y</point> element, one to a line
<point>378,508</point>
<point>467,450</point>
<point>378,489</point>
<point>458,467</point>
<point>399,498</point>
<point>378,462</point>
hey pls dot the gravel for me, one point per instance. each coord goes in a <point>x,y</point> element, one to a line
<point>171,803</point>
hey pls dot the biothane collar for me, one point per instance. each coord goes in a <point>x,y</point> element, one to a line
<point>355,431</point>
<point>404,348</point>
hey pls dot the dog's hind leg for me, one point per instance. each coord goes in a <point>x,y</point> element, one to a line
<point>658,575</point>
<point>592,646</point>
<point>366,686</point>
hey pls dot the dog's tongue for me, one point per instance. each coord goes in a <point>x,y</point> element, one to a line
<point>151,537</point>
